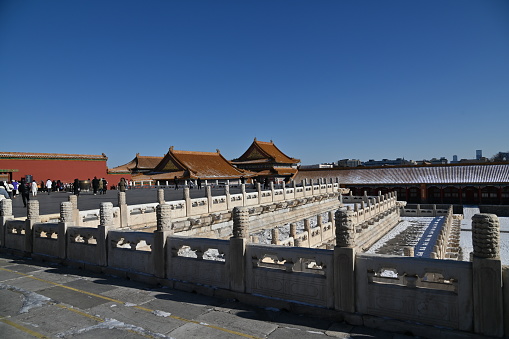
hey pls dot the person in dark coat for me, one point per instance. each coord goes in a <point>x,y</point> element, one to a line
<point>105,186</point>
<point>24,190</point>
<point>95,185</point>
<point>176,182</point>
<point>198,183</point>
<point>76,187</point>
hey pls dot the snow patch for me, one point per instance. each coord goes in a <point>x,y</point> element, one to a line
<point>161,313</point>
<point>30,299</point>
<point>110,324</point>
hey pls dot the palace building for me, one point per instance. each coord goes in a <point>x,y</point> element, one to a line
<point>267,161</point>
<point>187,165</point>
<point>477,184</point>
<point>55,166</point>
<point>140,164</point>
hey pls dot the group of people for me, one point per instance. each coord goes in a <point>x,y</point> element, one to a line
<point>10,190</point>
<point>99,185</point>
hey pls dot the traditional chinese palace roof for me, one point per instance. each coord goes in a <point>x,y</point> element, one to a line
<point>264,152</point>
<point>138,164</point>
<point>441,174</point>
<point>193,165</point>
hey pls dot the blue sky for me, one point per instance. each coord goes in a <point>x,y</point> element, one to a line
<point>325,80</point>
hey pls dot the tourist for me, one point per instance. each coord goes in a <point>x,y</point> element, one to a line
<point>8,187</point>
<point>176,182</point>
<point>198,183</point>
<point>3,192</point>
<point>49,184</point>
<point>33,188</point>
<point>76,187</point>
<point>24,190</point>
<point>105,186</point>
<point>100,187</point>
<point>15,185</point>
<point>95,185</point>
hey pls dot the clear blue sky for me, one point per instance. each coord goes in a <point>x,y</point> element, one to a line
<point>325,80</point>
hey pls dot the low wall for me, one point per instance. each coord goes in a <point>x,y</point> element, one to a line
<point>426,297</point>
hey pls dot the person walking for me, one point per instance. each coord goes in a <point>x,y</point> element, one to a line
<point>33,188</point>
<point>95,185</point>
<point>24,190</point>
<point>100,187</point>
<point>176,182</point>
<point>8,188</point>
<point>105,186</point>
<point>76,187</point>
<point>49,184</point>
<point>15,186</point>
<point>198,184</point>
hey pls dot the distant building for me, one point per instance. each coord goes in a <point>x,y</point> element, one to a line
<point>387,162</point>
<point>55,166</point>
<point>140,164</point>
<point>188,165</point>
<point>469,184</point>
<point>267,161</point>
<point>349,163</point>
<point>478,154</point>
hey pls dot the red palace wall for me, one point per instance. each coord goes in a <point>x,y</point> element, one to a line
<point>63,170</point>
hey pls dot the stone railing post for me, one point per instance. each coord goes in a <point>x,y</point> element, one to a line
<point>208,191</point>
<point>244,194</point>
<point>66,219</point>
<point>187,201</point>
<point>293,230</point>
<point>164,229</point>
<point>307,226</point>
<point>332,221</point>
<point>487,276</point>
<point>344,261</point>
<point>304,188</point>
<point>73,199</point>
<point>227,194</point>
<point>160,196</point>
<point>124,211</point>
<point>271,187</point>
<point>259,190</point>
<point>32,218</point>
<point>105,223</point>
<point>275,236</point>
<point>5,215</point>
<point>238,244</point>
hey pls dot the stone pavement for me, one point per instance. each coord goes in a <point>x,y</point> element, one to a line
<point>52,301</point>
<point>50,204</point>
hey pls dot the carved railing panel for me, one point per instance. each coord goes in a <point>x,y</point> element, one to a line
<point>131,250</point>
<point>200,260</point>
<point>434,292</point>
<point>303,275</point>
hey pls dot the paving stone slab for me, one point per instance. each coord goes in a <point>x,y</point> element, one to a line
<point>52,319</point>
<point>76,299</point>
<point>238,323</point>
<point>197,331</point>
